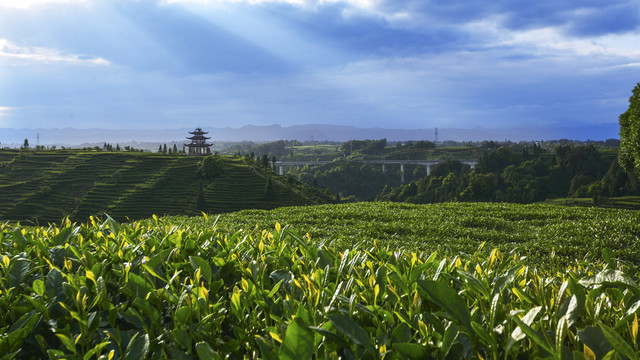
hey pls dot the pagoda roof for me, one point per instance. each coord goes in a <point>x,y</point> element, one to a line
<point>198,131</point>
<point>198,137</point>
<point>198,145</point>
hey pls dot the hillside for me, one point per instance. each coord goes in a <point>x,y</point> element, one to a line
<point>46,186</point>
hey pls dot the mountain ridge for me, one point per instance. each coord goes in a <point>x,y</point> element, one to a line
<point>13,137</point>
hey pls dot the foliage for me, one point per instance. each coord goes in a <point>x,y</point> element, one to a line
<point>201,201</point>
<point>162,288</point>
<point>422,144</point>
<point>264,161</point>
<point>621,202</point>
<point>630,133</point>
<point>268,189</point>
<point>363,181</point>
<point>276,148</point>
<point>547,235</point>
<point>504,175</point>
<point>210,167</point>
<point>616,182</point>
<point>367,147</point>
<point>133,185</point>
<point>497,160</point>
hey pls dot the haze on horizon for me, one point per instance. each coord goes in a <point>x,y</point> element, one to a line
<point>412,64</point>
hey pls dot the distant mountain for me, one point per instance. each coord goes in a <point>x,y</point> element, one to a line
<point>75,137</point>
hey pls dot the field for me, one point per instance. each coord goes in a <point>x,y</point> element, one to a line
<point>46,186</point>
<point>370,281</point>
<point>621,202</point>
<point>545,233</point>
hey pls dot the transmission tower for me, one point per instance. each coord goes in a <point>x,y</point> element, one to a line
<point>436,136</point>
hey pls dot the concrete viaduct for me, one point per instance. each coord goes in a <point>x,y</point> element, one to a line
<point>428,163</point>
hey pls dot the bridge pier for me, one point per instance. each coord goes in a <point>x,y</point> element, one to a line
<point>384,162</point>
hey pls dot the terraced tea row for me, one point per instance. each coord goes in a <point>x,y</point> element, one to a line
<point>46,186</point>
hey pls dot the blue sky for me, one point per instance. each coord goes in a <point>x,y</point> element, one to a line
<point>135,64</point>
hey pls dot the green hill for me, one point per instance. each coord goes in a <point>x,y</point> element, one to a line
<point>46,186</point>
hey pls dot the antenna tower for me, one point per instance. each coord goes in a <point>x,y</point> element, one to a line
<point>436,136</point>
<point>37,139</point>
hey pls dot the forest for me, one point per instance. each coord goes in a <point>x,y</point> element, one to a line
<point>503,175</point>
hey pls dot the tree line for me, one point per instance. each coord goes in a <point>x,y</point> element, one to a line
<point>528,176</point>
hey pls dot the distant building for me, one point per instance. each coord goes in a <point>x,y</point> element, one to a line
<point>199,145</point>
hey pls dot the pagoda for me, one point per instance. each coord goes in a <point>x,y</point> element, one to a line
<point>199,145</point>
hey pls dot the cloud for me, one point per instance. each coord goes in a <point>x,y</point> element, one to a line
<point>25,4</point>
<point>366,4</point>
<point>4,110</point>
<point>435,25</point>
<point>31,54</point>
<point>576,17</point>
<point>610,19</point>
<point>412,63</point>
<point>4,115</point>
<point>550,42</point>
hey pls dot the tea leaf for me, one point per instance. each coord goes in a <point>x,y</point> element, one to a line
<point>349,328</point>
<point>298,341</point>
<point>448,299</point>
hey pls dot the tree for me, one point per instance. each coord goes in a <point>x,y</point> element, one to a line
<point>164,149</point>
<point>159,149</point>
<point>210,167</point>
<point>201,203</point>
<point>629,155</point>
<point>25,145</point>
<point>175,148</point>
<point>268,189</point>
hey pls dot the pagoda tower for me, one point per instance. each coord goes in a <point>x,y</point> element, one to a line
<point>199,145</point>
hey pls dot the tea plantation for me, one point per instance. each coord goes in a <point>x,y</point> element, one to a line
<point>351,281</point>
<point>46,186</point>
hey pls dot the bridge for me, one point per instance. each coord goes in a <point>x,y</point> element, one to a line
<point>383,162</point>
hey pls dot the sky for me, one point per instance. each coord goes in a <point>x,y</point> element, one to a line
<point>397,64</point>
